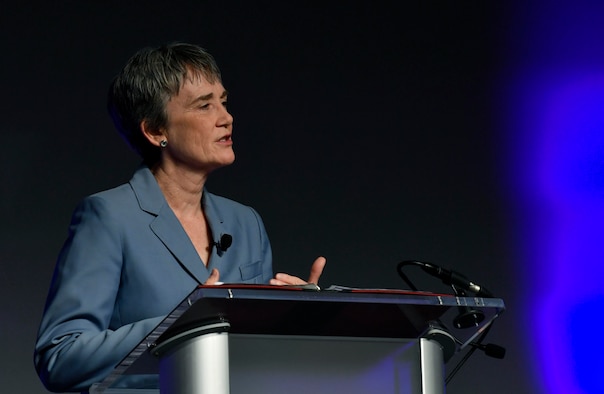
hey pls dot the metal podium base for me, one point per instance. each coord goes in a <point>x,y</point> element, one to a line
<point>195,361</point>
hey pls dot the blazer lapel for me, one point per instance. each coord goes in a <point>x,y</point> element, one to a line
<point>218,227</point>
<point>166,226</point>
<point>169,230</point>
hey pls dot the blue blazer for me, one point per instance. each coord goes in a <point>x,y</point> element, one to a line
<point>127,262</point>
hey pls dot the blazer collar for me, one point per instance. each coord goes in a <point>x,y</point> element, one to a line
<point>147,191</point>
<point>215,219</point>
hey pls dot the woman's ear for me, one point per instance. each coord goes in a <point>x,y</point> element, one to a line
<point>154,136</point>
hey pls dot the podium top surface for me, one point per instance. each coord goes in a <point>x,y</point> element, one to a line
<point>274,310</point>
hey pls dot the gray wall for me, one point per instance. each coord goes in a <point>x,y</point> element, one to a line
<point>364,132</point>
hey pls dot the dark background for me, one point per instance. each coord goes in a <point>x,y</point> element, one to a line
<point>364,132</point>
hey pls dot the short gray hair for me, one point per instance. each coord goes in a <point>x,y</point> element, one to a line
<point>144,86</point>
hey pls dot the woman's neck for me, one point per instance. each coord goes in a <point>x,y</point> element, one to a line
<point>182,189</point>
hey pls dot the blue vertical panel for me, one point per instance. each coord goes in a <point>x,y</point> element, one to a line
<point>556,164</point>
<point>569,182</point>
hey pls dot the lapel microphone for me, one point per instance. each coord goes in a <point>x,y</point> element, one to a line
<point>224,243</point>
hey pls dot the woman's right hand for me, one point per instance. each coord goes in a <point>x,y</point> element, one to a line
<point>213,278</point>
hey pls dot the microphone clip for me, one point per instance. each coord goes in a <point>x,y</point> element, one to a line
<point>226,240</point>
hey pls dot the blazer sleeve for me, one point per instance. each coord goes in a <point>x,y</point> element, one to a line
<point>78,341</point>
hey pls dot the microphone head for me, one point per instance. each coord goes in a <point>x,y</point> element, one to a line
<point>225,241</point>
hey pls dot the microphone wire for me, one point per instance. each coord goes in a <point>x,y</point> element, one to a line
<point>469,353</point>
<point>404,277</point>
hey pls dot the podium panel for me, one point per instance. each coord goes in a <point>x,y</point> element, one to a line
<point>301,365</point>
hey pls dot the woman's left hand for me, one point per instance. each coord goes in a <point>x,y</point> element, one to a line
<point>316,270</point>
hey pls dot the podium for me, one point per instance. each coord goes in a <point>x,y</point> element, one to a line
<point>272,339</point>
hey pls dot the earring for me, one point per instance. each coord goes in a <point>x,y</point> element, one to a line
<point>163,143</point>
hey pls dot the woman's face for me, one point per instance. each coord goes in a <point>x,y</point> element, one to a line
<point>199,127</point>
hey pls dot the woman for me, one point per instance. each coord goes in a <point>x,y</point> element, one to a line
<point>135,251</point>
